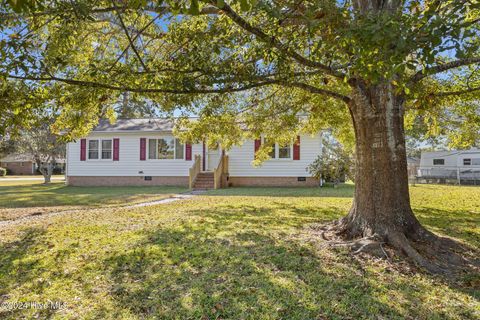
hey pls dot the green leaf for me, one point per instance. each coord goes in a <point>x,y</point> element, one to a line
<point>194,7</point>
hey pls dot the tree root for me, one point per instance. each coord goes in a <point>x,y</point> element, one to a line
<point>400,242</point>
<point>434,254</point>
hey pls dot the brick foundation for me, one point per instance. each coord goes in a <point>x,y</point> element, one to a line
<point>126,181</point>
<point>271,182</point>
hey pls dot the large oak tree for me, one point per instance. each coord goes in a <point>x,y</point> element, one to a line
<point>272,67</point>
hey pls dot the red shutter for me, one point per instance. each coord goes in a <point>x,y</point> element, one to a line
<point>83,149</point>
<point>188,152</point>
<point>296,149</point>
<point>143,149</point>
<point>258,143</point>
<point>116,149</point>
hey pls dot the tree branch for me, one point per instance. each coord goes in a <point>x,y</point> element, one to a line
<point>229,89</point>
<point>276,43</point>
<point>456,93</point>
<point>134,38</point>
<point>130,40</point>
<point>443,67</point>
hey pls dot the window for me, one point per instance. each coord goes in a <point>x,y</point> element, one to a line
<point>438,162</point>
<point>165,148</point>
<point>100,149</point>
<point>271,153</point>
<point>277,151</point>
<point>179,149</point>
<point>284,152</point>
<point>476,162</point>
<point>92,149</point>
<point>467,162</point>
<point>106,149</point>
<point>22,164</point>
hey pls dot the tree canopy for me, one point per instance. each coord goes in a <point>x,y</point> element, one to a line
<point>247,64</point>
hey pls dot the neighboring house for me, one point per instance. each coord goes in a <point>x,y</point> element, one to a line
<point>144,152</point>
<point>18,164</point>
<point>23,164</point>
<point>462,166</point>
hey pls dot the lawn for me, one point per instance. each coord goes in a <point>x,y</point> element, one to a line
<point>20,198</point>
<point>241,253</point>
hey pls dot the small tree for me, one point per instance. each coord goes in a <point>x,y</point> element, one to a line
<point>45,146</point>
<point>334,164</point>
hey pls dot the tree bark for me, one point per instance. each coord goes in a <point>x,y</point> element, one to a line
<point>381,203</point>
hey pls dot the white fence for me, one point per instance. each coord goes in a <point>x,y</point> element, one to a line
<point>461,175</point>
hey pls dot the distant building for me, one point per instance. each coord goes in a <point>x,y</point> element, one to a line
<point>412,167</point>
<point>23,164</point>
<point>455,166</point>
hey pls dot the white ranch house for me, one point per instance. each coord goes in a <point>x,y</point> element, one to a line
<point>459,166</point>
<point>145,152</point>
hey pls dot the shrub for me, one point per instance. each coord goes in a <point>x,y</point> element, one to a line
<point>57,170</point>
<point>3,172</point>
<point>335,163</point>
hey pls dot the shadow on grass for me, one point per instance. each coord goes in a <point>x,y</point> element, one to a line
<point>22,196</point>
<point>18,268</point>
<point>189,274</point>
<point>240,264</point>
<point>455,223</point>
<point>342,191</point>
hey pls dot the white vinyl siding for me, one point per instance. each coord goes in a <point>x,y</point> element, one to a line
<point>241,157</point>
<point>129,163</point>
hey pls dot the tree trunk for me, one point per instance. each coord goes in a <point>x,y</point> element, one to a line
<point>381,204</point>
<point>47,177</point>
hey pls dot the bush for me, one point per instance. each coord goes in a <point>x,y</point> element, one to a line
<point>3,172</point>
<point>335,163</point>
<point>57,170</point>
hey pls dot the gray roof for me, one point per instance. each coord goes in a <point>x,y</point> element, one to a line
<point>15,157</point>
<point>135,125</point>
<point>24,157</point>
<point>413,160</point>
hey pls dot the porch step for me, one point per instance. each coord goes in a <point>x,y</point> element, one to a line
<point>204,181</point>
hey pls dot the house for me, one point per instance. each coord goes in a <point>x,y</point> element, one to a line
<point>18,164</point>
<point>458,166</point>
<point>145,152</point>
<point>23,164</point>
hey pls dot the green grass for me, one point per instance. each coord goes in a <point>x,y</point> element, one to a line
<point>231,254</point>
<point>21,194</point>
<point>38,176</point>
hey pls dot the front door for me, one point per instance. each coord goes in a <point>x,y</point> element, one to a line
<point>213,156</point>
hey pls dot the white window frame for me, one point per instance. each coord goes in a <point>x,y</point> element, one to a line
<point>99,150</point>
<point>156,148</point>
<point>277,152</point>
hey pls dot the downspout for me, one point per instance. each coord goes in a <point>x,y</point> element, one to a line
<point>66,165</point>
